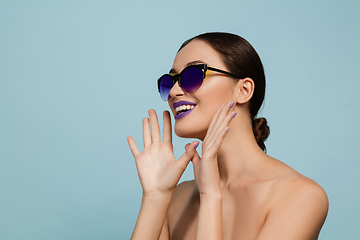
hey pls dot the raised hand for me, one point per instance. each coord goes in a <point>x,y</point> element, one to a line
<point>206,168</point>
<point>158,170</point>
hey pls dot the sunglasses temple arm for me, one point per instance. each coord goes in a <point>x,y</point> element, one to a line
<point>221,71</point>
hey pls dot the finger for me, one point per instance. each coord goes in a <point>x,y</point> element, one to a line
<point>221,137</point>
<point>167,131</point>
<point>146,133</point>
<point>134,150</point>
<point>155,130</point>
<point>216,132</point>
<point>214,119</point>
<point>215,145</point>
<point>196,159</point>
<point>223,120</point>
<point>223,113</point>
<point>189,154</point>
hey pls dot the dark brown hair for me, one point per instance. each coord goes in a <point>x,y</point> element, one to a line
<point>241,60</point>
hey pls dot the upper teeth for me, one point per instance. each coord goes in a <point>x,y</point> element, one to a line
<point>184,107</point>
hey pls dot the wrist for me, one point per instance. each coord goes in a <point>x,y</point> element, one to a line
<point>156,196</point>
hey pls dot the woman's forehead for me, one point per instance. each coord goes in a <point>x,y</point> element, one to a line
<point>196,51</point>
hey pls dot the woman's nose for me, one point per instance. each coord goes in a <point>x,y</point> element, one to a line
<point>176,91</point>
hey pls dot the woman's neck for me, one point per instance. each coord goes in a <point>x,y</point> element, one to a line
<point>239,156</point>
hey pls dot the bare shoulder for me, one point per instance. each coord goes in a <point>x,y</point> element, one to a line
<point>291,185</point>
<point>302,192</point>
<point>299,199</point>
<point>183,188</point>
<point>182,192</point>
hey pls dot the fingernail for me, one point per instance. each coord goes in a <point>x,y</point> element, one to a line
<point>197,145</point>
<point>234,115</point>
<point>232,104</point>
<point>228,129</point>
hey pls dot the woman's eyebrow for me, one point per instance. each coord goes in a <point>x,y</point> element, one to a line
<point>194,63</point>
<point>173,71</point>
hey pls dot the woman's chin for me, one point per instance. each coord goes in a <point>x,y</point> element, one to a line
<point>188,133</point>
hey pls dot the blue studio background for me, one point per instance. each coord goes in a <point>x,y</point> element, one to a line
<point>77,77</point>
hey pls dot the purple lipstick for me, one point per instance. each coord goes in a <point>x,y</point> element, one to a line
<point>183,108</point>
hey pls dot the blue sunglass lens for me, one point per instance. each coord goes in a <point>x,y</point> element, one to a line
<point>165,87</point>
<point>191,79</point>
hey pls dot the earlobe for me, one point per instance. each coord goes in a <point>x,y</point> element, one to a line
<point>245,90</point>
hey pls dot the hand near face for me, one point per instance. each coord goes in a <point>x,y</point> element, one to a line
<point>158,170</point>
<point>206,168</point>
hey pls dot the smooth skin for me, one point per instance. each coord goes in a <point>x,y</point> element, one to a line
<point>239,192</point>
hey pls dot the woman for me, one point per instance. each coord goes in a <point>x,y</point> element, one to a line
<point>215,89</point>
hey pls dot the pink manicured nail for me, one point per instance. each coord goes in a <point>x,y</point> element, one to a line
<point>232,104</point>
<point>234,115</point>
<point>228,129</point>
<point>197,145</point>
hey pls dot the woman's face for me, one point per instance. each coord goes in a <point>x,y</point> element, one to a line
<point>216,89</point>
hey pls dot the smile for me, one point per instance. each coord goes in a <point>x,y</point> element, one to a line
<point>183,108</point>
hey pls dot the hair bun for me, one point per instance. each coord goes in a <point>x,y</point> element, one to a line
<point>261,131</point>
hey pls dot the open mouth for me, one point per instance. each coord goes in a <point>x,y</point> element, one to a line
<point>183,108</point>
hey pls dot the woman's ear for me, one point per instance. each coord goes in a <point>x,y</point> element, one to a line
<point>244,90</point>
